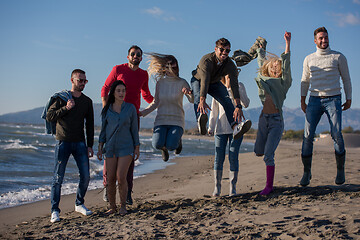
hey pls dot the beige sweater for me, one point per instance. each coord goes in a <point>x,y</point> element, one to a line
<point>321,72</point>
<point>168,100</point>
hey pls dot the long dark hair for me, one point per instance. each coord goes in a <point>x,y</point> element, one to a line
<point>111,97</point>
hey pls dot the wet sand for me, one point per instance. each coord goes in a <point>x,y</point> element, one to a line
<point>176,203</point>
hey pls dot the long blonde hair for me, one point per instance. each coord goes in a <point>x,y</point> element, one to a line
<point>269,61</point>
<point>161,64</point>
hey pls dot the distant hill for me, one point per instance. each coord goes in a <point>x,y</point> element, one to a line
<point>294,118</point>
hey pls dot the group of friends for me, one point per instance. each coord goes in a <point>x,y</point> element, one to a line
<point>67,113</point>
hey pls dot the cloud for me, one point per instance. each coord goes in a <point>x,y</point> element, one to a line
<point>356,1</point>
<point>344,19</point>
<point>155,11</point>
<point>159,13</point>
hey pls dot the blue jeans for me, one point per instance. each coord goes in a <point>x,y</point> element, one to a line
<point>62,153</point>
<point>219,92</point>
<point>270,130</point>
<point>167,136</point>
<point>317,106</point>
<point>221,141</point>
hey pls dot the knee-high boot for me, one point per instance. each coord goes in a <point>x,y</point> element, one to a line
<point>233,176</point>
<point>305,180</point>
<point>217,178</point>
<point>270,172</point>
<point>340,165</point>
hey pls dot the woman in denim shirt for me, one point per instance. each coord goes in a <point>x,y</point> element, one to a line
<point>119,134</point>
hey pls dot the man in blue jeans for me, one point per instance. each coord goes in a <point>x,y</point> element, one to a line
<point>206,80</point>
<point>69,117</point>
<point>321,76</point>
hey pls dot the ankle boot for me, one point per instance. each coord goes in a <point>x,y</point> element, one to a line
<point>129,200</point>
<point>233,176</point>
<point>340,165</point>
<point>305,180</point>
<point>217,178</point>
<point>270,172</point>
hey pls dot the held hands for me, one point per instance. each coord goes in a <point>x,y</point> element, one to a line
<point>70,104</point>
<point>186,91</point>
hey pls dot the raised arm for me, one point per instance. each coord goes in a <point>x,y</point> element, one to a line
<point>287,37</point>
<point>285,57</point>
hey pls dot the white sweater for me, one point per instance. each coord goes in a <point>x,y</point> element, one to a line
<point>218,122</point>
<point>321,72</point>
<point>168,100</point>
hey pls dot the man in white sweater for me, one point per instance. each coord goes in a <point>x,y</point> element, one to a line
<point>321,76</point>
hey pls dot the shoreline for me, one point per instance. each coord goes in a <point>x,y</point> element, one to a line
<point>188,185</point>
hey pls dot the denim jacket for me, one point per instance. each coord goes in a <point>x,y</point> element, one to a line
<point>51,126</point>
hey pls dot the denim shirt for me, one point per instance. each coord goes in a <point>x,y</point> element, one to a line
<point>119,131</point>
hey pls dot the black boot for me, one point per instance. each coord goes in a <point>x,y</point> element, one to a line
<point>340,165</point>
<point>305,180</point>
<point>129,200</point>
<point>179,148</point>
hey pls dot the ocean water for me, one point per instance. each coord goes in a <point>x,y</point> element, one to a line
<point>27,162</point>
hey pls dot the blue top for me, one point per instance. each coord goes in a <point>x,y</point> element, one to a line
<point>119,131</point>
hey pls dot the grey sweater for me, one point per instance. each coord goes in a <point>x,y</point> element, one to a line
<point>169,102</point>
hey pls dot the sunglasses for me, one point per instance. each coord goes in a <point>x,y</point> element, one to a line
<point>224,49</point>
<point>81,80</point>
<point>137,54</point>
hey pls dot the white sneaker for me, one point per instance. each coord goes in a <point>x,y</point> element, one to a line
<point>241,129</point>
<point>105,197</point>
<point>203,118</point>
<point>83,210</point>
<point>55,217</point>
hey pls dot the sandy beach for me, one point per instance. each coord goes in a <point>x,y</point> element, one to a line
<point>176,203</point>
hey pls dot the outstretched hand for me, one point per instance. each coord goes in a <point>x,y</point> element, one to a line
<point>203,107</point>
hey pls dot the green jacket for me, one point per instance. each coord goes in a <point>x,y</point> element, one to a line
<point>208,71</point>
<point>275,87</point>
